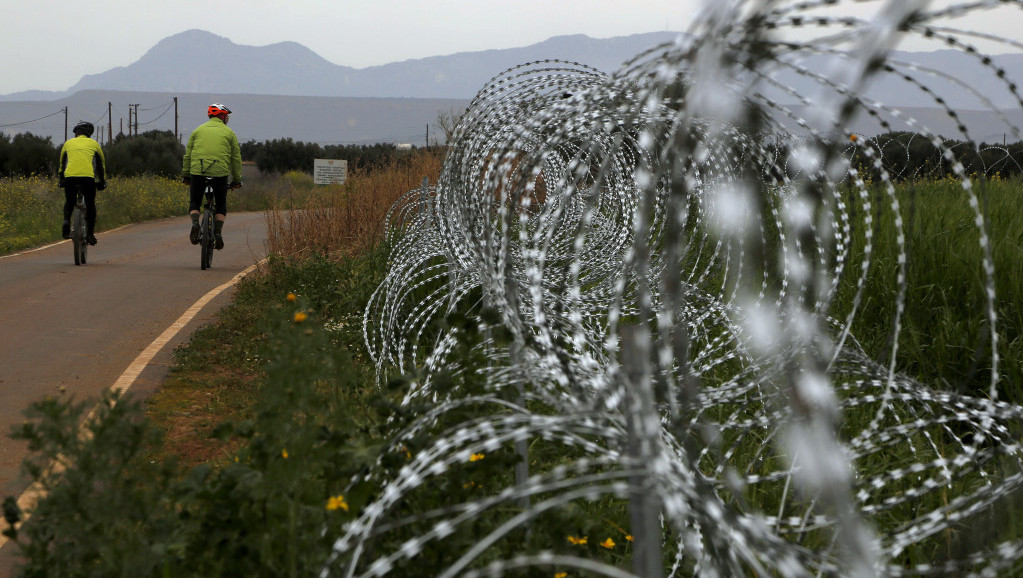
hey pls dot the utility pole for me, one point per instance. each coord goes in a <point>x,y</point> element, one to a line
<point>176,119</point>
<point>65,123</point>
<point>110,122</point>
<point>427,136</point>
<point>134,125</point>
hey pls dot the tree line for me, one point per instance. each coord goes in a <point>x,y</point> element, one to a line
<point>159,153</point>
<point>284,154</point>
<point>903,155</point>
<point>908,156</point>
<point>152,152</point>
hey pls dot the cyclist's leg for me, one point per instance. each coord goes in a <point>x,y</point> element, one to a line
<point>195,190</point>
<point>220,194</point>
<point>89,192</point>
<point>70,197</point>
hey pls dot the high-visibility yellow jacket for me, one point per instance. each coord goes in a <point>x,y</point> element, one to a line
<point>82,157</point>
<point>213,151</point>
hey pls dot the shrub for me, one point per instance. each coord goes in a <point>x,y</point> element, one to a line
<point>153,152</point>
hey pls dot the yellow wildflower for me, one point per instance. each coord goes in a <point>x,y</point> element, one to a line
<point>475,457</point>
<point>628,537</point>
<point>609,543</point>
<point>300,316</point>
<point>560,574</point>
<point>291,297</point>
<point>337,502</point>
<point>284,453</point>
<point>577,541</point>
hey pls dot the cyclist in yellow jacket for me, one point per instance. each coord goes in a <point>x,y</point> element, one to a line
<point>212,151</point>
<point>82,166</point>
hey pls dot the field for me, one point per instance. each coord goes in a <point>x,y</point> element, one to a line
<point>30,207</point>
<point>943,329</point>
<point>273,437</point>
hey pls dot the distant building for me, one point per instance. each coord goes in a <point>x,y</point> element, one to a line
<point>404,146</point>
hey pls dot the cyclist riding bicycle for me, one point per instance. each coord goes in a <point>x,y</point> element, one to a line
<point>82,167</point>
<point>212,151</point>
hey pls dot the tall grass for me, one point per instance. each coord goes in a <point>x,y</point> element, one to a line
<point>944,337</point>
<point>31,207</point>
<point>30,212</point>
<point>344,220</point>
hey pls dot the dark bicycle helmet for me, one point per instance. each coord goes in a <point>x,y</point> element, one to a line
<point>218,110</point>
<point>85,128</point>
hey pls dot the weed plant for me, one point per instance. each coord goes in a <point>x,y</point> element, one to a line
<point>344,220</point>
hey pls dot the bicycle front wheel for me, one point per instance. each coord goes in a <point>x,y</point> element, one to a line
<point>78,243</point>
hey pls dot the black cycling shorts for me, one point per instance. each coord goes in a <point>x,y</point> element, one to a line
<point>197,187</point>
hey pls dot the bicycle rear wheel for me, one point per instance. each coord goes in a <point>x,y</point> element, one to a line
<point>78,243</point>
<point>206,239</point>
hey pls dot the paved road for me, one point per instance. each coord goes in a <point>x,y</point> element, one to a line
<point>81,328</point>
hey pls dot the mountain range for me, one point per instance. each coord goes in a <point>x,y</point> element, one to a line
<point>286,90</point>
<point>181,63</point>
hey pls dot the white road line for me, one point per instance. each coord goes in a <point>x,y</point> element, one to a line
<point>31,496</point>
<point>33,250</point>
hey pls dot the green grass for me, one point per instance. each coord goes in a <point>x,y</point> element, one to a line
<point>944,335</point>
<point>31,208</point>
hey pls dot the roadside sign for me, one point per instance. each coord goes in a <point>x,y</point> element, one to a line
<point>329,171</point>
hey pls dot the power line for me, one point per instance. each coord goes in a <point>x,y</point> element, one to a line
<point>156,107</point>
<point>61,111</point>
<point>165,110</point>
<point>100,117</point>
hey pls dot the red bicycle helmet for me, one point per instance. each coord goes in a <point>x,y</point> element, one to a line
<point>218,110</point>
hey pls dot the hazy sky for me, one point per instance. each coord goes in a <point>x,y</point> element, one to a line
<point>51,44</point>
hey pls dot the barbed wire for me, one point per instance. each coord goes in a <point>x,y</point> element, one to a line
<point>663,284</point>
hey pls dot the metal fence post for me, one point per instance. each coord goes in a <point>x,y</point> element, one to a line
<point>424,193</point>
<point>642,422</point>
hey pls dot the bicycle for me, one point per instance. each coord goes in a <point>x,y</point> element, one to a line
<point>206,240</point>
<point>79,238</point>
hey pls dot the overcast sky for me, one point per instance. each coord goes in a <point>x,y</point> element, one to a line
<point>51,44</point>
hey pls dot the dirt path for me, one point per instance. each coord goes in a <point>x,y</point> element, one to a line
<point>81,328</point>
